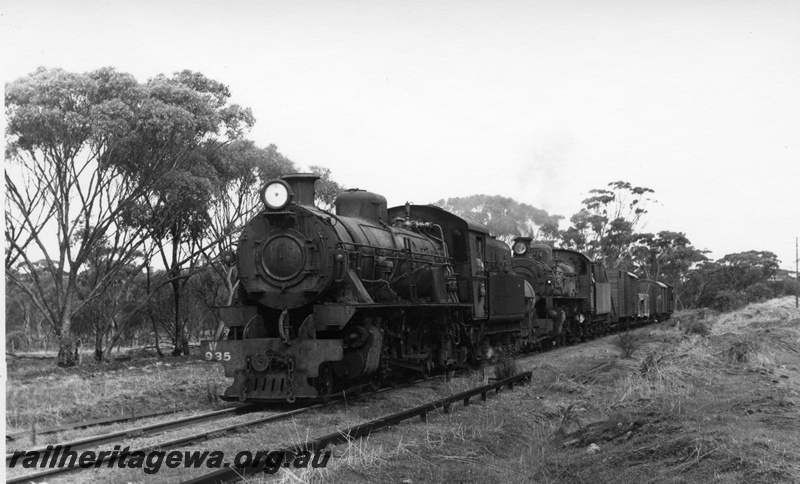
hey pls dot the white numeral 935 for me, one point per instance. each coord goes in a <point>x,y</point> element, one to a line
<point>218,355</point>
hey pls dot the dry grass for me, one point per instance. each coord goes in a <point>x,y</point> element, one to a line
<point>687,407</point>
<point>627,344</point>
<point>694,407</point>
<point>49,397</point>
<point>697,326</point>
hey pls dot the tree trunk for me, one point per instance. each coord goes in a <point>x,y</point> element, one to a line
<point>26,329</point>
<point>219,333</point>
<point>184,342</point>
<point>155,331</point>
<point>176,292</point>
<point>98,347</point>
<point>116,338</point>
<point>232,287</point>
<point>68,351</point>
<point>150,312</point>
<point>41,335</point>
<point>111,337</point>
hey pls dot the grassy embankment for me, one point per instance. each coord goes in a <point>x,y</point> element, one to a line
<point>700,399</point>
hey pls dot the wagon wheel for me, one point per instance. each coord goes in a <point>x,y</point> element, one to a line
<point>325,382</point>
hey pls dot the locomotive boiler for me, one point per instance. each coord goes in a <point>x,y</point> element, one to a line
<point>328,302</point>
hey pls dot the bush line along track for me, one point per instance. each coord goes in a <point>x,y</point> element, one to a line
<point>182,441</point>
<point>232,474</point>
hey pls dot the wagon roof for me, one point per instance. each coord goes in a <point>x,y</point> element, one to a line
<point>654,282</point>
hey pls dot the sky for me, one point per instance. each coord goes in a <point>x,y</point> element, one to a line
<point>540,101</point>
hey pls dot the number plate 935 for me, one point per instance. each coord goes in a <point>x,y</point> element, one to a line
<point>218,355</point>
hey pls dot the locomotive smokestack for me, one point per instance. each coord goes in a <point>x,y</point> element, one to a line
<point>303,187</point>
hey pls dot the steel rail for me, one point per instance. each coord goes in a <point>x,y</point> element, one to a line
<point>232,473</point>
<point>91,423</point>
<point>205,435</point>
<point>97,440</point>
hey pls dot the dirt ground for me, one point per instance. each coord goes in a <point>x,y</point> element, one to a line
<point>704,397</point>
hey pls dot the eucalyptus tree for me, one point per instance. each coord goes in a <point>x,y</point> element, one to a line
<point>26,327</point>
<point>326,189</point>
<point>605,228</point>
<point>669,257</point>
<point>733,280</point>
<point>176,213</point>
<point>107,318</point>
<point>83,151</point>
<point>66,186</point>
<point>666,256</point>
<point>505,217</point>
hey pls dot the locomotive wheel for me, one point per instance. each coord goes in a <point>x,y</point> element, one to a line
<point>325,382</point>
<point>426,370</point>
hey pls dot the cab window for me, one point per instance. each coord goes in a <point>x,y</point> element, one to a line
<point>459,247</point>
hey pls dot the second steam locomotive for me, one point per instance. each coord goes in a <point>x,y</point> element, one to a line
<point>329,302</point>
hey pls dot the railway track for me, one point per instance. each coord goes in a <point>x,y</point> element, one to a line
<point>231,474</point>
<point>354,432</point>
<point>117,437</point>
<point>137,432</point>
<point>89,423</point>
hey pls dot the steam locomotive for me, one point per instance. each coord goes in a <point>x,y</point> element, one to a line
<point>577,298</point>
<point>329,302</point>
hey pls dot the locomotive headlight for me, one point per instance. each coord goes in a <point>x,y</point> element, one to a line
<point>276,194</point>
<point>520,248</point>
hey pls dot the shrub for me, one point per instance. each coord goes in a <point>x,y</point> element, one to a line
<point>727,300</point>
<point>758,292</point>
<point>569,415</point>
<point>739,351</point>
<point>506,367</point>
<point>649,366</point>
<point>697,326</point>
<point>627,344</point>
